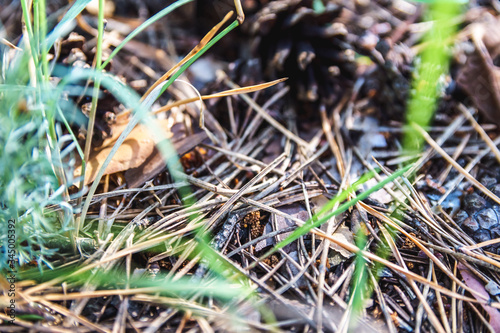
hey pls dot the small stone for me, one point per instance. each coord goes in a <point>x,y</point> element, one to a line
<point>496,208</point>
<point>488,181</point>
<point>496,190</point>
<point>385,273</point>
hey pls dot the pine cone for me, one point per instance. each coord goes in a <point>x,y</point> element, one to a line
<point>480,217</point>
<point>387,87</point>
<point>294,40</point>
<point>380,29</point>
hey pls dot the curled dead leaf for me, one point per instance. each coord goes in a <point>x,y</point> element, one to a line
<point>136,148</point>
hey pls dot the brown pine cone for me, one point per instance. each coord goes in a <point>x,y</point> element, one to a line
<point>294,40</point>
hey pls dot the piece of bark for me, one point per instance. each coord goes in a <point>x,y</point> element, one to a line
<point>155,163</point>
<point>480,77</point>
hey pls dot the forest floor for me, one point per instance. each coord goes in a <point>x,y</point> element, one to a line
<point>318,203</point>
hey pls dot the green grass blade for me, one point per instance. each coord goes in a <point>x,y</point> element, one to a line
<point>95,92</point>
<point>117,279</point>
<point>43,47</point>
<point>344,194</point>
<point>317,221</point>
<point>143,26</point>
<point>443,1</point>
<point>434,64</point>
<point>359,285</point>
<point>27,19</point>
<point>70,131</point>
<point>29,31</point>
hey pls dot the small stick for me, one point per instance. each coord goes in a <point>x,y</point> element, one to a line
<point>239,11</point>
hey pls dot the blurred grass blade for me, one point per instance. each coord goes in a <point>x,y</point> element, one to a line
<point>143,26</point>
<point>442,1</point>
<point>61,29</point>
<point>127,97</point>
<point>434,63</point>
<point>360,292</point>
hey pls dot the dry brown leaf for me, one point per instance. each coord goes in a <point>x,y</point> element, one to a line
<point>480,77</point>
<point>136,148</point>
